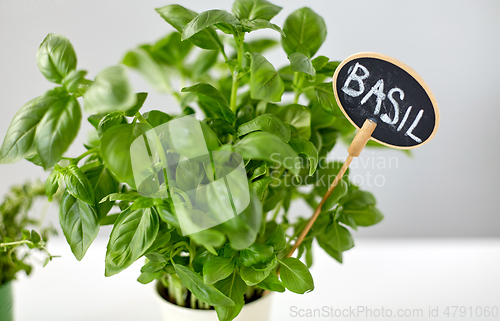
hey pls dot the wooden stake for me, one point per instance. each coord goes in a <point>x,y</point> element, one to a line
<point>354,150</point>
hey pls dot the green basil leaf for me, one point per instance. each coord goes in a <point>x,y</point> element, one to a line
<point>259,171</point>
<point>57,130</point>
<point>305,32</point>
<point>52,184</point>
<point>296,276</point>
<point>218,104</point>
<point>342,125</point>
<point>141,98</point>
<point>163,237</point>
<point>272,283</point>
<point>347,220</point>
<point>56,57</point>
<point>34,158</point>
<point>257,24</point>
<point>307,148</point>
<point>242,229</point>
<point>234,288</point>
<point>157,118</point>
<point>359,199</point>
<point>95,119</point>
<point>300,63</point>
<point>329,69</point>
<point>103,184</point>
<point>324,177</point>
<point>79,223</point>
<point>115,149</point>
<point>255,9</point>
<point>335,239</point>
<point>171,50</point>
<point>319,117</point>
<point>270,227</point>
<point>178,17</point>
<point>208,19</point>
<point>157,259</point>
<point>188,174</point>
<point>365,216</point>
<point>324,93</point>
<point>217,268</point>
<point>127,197</point>
<point>143,202</point>
<point>209,238</point>
<point>299,117</point>
<point>261,185</point>
<point>339,192</point>
<point>266,266</point>
<point>204,292</point>
<point>273,197</point>
<point>141,59</point>
<point>133,233</point>
<point>265,82</point>
<point>219,125</point>
<point>316,139</point>
<point>202,256</point>
<point>186,111</point>
<point>245,114</point>
<point>146,277</point>
<point>252,276</point>
<point>268,147</point>
<point>205,60</point>
<point>278,239</point>
<point>256,253</point>
<point>154,266</point>
<point>309,254</point>
<point>305,247</point>
<point>78,185</point>
<point>228,251</point>
<point>110,120</point>
<point>266,123</point>
<point>264,107</point>
<point>259,45</point>
<point>319,62</point>
<point>75,82</point>
<point>111,91</point>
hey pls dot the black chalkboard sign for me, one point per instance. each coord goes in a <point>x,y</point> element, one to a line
<point>371,85</point>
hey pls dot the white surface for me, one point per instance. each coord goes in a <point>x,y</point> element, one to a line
<point>394,274</point>
<point>449,187</point>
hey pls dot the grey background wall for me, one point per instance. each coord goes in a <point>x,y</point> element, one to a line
<point>449,187</point>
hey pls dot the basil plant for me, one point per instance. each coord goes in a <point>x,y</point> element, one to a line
<point>280,122</point>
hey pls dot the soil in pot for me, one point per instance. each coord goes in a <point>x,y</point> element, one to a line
<point>257,307</point>
<point>257,294</point>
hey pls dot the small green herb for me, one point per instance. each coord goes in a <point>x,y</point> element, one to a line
<point>14,234</point>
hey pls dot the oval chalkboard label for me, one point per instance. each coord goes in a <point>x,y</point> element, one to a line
<point>371,85</point>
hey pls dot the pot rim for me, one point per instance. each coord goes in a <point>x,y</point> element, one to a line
<point>267,294</point>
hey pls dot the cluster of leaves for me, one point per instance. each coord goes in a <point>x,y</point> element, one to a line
<point>14,235</point>
<point>283,145</point>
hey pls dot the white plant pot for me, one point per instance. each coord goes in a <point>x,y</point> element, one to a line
<point>259,309</point>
